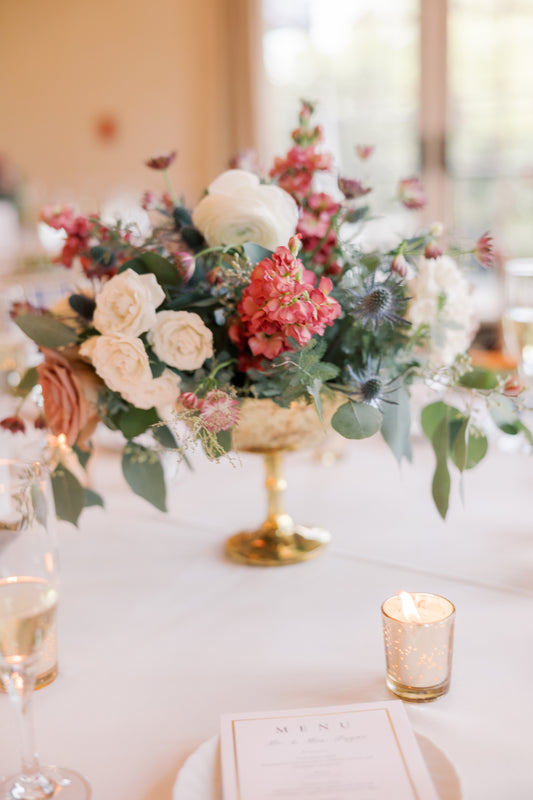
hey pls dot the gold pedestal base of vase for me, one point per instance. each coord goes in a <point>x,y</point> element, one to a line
<point>278,540</point>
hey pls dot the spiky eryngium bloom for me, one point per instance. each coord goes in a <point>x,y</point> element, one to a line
<point>369,387</point>
<point>380,302</point>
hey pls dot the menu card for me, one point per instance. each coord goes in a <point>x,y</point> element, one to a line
<point>366,751</point>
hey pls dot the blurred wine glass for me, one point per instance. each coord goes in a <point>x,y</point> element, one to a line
<point>517,319</point>
<point>29,591</point>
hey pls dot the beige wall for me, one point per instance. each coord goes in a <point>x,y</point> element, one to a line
<point>161,69</point>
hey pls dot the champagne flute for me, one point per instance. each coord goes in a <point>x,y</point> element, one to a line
<point>517,319</point>
<point>29,589</point>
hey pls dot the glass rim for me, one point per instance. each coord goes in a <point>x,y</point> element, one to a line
<point>414,621</point>
<point>522,267</point>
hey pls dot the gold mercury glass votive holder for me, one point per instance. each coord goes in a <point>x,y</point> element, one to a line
<point>418,634</point>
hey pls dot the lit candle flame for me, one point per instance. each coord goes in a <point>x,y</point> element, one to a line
<point>409,609</point>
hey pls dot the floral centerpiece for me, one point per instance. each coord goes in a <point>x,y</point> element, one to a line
<point>266,289</point>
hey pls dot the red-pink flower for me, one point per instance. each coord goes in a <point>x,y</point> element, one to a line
<point>282,303</point>
<point>190,401</point>
<point>295,171</point>
<point>364,151</point>
<point>411,193</point>
<point>484,250</point>
<point>512,386</point>
<point>185,264</point>
<point>432,249</point>
<point>399,265</point>
<point>149,201</point>
<point>352,189</point>
<point>161,161</point>
<point>220,411</point>
<point>58,217</point>
<point>13,424</point>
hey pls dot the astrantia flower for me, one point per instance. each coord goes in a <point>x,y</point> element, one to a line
<point>380,301</point>
<point>281,303</point>
<point>484,250</point>
<point>161,161</point>
<point>219,412</point>
<point>352,189</point>
<point>411,193</point>
<point>364,151</point>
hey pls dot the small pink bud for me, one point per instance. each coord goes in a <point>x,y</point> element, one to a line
<point>484,250</point>
<point>185,265</point>
<point>190,401</point>
<point>432,249</point>
<point>411,193</point>
<point>399,265</point>
<point>295,244</point>
<point>148,201</point>
<point>352,189</point>
<point>512,386</point>
<point>161,161</point>
<point>364,151</point>
<point>13,424</point>
<point>39,423</point>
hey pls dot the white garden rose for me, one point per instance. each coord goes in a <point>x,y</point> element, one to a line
<point>181,339</point>
<point>120,361</point>
<point>442,300</point>
<point>126,305</point>
<point>157,392</point>
<point>238,209</point>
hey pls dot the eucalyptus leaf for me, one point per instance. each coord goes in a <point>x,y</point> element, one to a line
<point>477,449</point>
<point>396,425</point>
<point>69,494</point>
<point>256,252</point>
<point>46,331</point>
<point>142,470</point>
<point>165,272</point>
<point>27,382</point>
<point>225,440</point>
<point>135,421</point>
<point>479,378</point>
<point>165,437</point>
<point>356,420</point>
<point>93,498</point>
<point>441,478</point>
<point>83,456</point>
<point>459,448</point>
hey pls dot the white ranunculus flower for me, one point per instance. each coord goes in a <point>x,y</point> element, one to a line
<point>162,391</point>
<point>126,305</point>
<point>181,339</point>
<point>240,209</point>
<point>120,361</point>
<point>442,300</point>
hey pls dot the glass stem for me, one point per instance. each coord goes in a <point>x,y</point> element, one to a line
<point>20,685</point>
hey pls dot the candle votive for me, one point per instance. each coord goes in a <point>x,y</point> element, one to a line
<point>418,633</point>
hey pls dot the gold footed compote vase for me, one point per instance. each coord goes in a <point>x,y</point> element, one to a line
<point>271,431</point>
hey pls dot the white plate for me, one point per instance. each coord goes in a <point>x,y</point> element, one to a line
<point>200,778</point>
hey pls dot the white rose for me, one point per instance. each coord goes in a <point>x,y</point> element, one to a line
<point>162,391</point>
<point>181,339</point>
<point>443,301</point>
<point>127,303</point>
<point>120,361</point>
<point>240,209</point>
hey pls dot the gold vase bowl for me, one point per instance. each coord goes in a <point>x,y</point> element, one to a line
<point>269,430</point>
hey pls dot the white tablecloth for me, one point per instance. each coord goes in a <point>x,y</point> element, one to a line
<point>159,634</point>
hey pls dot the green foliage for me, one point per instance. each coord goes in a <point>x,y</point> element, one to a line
<point>69,494</point>
<point>46,331</point>
<point>396,424</point>
<point>93,499</point>
<point>143,471</point>
<point>256,252</point>
<point>479,378</point>
<point>504,413</point>
<point>165,437</point>
<point>28,381</point>
<point>165,272</point>
<point>135,421</point>
<point>454,439</point>
<point>356,420</point>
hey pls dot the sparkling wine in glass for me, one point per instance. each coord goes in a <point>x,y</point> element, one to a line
<point>29,590</point>
<point>517,319</point>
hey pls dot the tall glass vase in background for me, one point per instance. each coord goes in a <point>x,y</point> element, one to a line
<point>517,319</point>
<point>29,590</point>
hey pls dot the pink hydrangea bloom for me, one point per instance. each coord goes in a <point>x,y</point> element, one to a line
<point>282,303</point>
<point>220,411</point>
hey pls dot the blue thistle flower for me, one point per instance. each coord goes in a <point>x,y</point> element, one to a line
<point>369,387</point>
<point>380,302</point>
